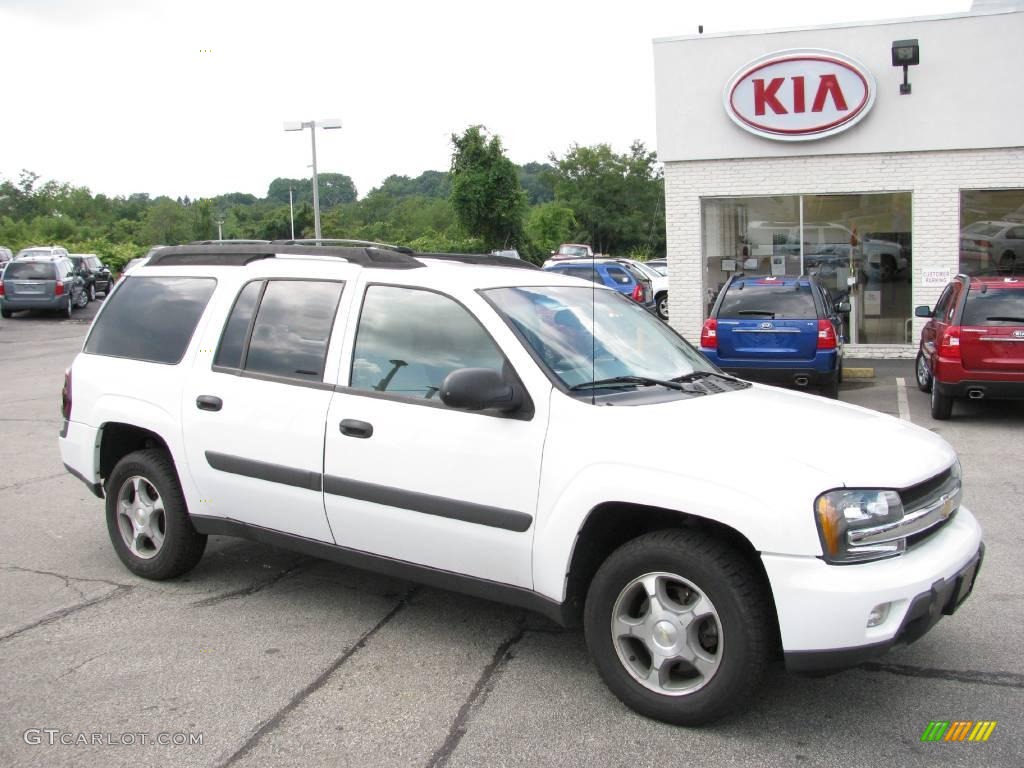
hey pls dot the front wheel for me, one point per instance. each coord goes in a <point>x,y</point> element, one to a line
<point>662,302</point>
<point>924,376</point>
<point>678,626</point>
<point>147,518</point>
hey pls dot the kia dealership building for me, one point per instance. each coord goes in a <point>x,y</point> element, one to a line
<point>883,157</point>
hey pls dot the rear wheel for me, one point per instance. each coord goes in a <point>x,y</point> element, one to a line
<point>92,292</point>
<point>147,518</point>
<point>830,386</point>
<point>83,299</point>
<point>678,626</point>
<point>662,301</point>
<point>1007,263</point>
<point>6,314</point>
<point>924,376</point>
<point>70,308</point>
<point>942,405</point>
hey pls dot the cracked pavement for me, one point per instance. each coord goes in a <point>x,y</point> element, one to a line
<point>280,659</point>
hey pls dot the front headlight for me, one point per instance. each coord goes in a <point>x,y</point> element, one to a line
<point>841,514</point>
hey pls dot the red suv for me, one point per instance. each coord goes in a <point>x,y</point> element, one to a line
<point>973,344</point>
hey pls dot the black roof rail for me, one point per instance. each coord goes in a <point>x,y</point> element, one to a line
<point>345,241</point>
<point>239,254</point>
<point>228,242</point>
<point>482,259</point>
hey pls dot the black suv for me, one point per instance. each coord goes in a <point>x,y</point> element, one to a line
<point>93,272</point>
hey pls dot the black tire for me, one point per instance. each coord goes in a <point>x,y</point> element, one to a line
<point>92,292</point>
<point>661,302</point>
<point>70,308</point>
<point>6,314</point>
<point>942,405</point>
<point>738,596</point>
<point>182,547</point>
<point>830,386</point>
<point>1007,263</point>
<point>922,374</point>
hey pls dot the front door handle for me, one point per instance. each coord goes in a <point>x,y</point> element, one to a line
<point>209,403</point>
<point>354,428</point>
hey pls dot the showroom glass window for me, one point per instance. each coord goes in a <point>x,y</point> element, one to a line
<point>992,232</point>
<point>859,246</point>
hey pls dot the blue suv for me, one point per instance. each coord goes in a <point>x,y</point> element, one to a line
<point>624,278</point>
<point>780,330</point>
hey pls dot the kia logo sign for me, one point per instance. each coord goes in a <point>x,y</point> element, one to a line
<point>798,95</point>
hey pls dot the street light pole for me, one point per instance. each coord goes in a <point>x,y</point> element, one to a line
<point>312,125</point>
<point>291,210</point>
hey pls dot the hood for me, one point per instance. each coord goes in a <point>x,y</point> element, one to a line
<point>855,446</point>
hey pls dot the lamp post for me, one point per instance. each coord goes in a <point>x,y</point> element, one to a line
<point>291,210</point>
<point>312,125</point>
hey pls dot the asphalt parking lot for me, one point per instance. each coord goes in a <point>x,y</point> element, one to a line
<point>272,658</point>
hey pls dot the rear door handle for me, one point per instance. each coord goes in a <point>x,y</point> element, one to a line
<point>209,403</point>
<point>354,428</point>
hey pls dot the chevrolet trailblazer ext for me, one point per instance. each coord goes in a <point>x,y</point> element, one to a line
<point>481,428</point>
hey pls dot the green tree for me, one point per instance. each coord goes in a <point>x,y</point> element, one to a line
<point>166,223</point>
<point>548,225</point>
<point>618,200</point>
<point>486,196</point>
<point>335,189</point>
<point>538,181</point>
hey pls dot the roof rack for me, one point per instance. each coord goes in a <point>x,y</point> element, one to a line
<point>227,254</point>
<point>228,242</point>
<point>482,259</point>
<point>345,241</point>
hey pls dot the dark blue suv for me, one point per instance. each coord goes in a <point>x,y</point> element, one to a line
<point>623,277</point>
<point>780,330</point>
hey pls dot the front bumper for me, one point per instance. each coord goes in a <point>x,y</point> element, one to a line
<point>823,609</point>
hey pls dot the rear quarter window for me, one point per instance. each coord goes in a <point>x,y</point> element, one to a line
<point>994,306</point>
<point>151,318</point>
<point>779,302</point>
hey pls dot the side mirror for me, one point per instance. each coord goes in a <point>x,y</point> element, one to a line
<point>922,312</point>
<point>843,307</point>
<point>480,389</point>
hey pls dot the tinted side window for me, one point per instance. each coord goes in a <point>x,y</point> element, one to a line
<point>151,318</point>
<point>292,329</point>
<point>781,302</point>
<point>236,332</point>
<point>942,305</point>
<point>409,340</point>
<point>586,273</point>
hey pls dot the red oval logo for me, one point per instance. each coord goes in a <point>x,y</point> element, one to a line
<point>798,95</point>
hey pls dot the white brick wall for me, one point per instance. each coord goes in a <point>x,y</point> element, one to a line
<point>933,178</point>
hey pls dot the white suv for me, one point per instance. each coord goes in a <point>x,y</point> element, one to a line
<point>475,427</point>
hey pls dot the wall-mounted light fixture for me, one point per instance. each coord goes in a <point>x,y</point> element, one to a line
<point>905,53</point>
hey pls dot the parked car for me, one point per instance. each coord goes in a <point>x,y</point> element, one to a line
<point>454,424</point>
<point>987,246</point>
<point>133,263</point>
<point>623,277</point>
<point>95,275</point>
<point>973,343</point>
<point>41,282</point>
<point>659,264</point>
<point>508,253</point>
<point>5,256</point>
<point>659,284</point>
<point>777,329</point>
<point>42,250</point>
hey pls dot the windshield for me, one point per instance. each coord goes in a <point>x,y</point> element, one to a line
<point>576,251</point>
<point>994,306</point>
<point>777,300</point>
<point>982,228</point>
<point>583,335</point>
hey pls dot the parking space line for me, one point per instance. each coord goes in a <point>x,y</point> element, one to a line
<point>901,398</point>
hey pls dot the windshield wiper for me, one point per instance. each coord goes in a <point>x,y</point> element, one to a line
<point>641,380</point>
<point>765,312</point>
<point>1000,318</point>
<point>686,377</point>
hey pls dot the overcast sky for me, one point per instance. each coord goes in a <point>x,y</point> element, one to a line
<point>187,97</point>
